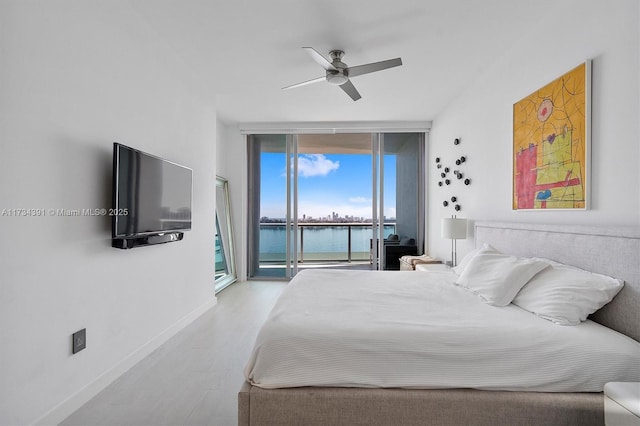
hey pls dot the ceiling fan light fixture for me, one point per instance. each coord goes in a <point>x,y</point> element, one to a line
<point>336,78</point>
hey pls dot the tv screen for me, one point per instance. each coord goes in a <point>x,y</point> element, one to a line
<point>151,195</point>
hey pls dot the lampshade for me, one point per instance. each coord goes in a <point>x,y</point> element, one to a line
<point>454,229</point>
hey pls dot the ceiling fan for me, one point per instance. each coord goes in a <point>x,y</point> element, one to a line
<point>338,73</point>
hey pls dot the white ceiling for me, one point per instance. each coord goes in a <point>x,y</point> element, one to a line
<point>247,50</point>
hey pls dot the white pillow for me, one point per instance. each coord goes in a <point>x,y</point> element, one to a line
<point>567,295</point>
<point>465,260</point>
<point>496,278</point>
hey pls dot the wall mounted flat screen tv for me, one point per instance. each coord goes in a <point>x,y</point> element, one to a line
<point>151,197</point>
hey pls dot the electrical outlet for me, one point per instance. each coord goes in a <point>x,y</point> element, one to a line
<point>79,340</point>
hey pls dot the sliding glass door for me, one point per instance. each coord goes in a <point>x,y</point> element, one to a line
<point>334,200</point>
<point>402,196</point>
<point>331,200</point>
<point>269,218</point>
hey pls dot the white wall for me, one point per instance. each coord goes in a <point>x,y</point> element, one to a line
<point>76,76</point>
<point>605,32</point>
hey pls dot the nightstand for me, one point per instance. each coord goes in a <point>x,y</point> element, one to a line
<point>622,404</point>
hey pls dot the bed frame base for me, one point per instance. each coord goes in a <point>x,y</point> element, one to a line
<point>443,407</point>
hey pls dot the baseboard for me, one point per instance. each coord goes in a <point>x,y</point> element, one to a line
<point>64,409</point>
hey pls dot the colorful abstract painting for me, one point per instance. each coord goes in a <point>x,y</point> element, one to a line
<point>551,144</point>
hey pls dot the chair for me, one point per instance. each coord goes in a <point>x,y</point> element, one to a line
<point>395,248</point>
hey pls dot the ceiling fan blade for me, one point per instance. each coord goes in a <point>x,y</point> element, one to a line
<point>350,90</point>
<point>374,66</point>
<point>304,83</point>
<point>324,62</point>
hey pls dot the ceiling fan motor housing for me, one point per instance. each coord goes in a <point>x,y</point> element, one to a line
<point>341,73</point>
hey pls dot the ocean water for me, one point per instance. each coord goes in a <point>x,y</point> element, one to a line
<point>319,243</point>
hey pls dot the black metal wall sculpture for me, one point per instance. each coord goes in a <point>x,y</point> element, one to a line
<point>458,173</point>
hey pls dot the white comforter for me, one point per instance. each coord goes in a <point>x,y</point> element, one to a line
<point>419,330</point>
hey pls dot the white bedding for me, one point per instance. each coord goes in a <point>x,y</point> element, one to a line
<point>419,330</point>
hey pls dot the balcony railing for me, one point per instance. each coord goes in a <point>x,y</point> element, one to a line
<point>320,242</point>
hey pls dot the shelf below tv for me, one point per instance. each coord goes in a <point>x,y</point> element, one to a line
<point>128,243</point>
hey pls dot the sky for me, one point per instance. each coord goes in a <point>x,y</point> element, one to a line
<point>327,183</point>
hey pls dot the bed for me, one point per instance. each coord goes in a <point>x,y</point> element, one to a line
<point>412,396</point>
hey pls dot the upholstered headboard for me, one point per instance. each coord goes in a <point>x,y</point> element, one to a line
<point>612,251</point>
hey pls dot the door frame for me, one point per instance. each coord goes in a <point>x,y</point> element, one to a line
<point>294,129</point>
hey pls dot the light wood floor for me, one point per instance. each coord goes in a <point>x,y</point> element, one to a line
<point>194,378</point>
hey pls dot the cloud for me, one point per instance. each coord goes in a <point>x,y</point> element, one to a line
<point>310,165</point>
<point>360,200</point>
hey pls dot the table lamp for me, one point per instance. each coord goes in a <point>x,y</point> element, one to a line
<point>454,229</point>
